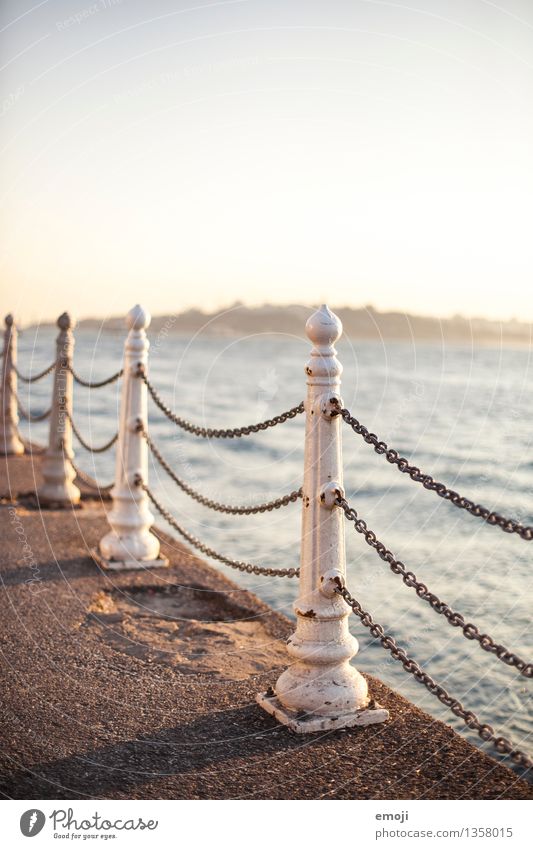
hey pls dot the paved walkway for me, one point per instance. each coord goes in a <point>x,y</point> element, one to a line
<point>142,685</point>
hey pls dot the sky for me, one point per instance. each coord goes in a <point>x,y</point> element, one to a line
<point>192,154</point>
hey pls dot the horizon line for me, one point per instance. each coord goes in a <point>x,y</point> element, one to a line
<point>235,305</point>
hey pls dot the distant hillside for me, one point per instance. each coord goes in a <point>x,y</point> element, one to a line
<point>361,323</point>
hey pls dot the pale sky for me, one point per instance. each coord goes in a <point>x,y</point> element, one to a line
<point>196,153</point>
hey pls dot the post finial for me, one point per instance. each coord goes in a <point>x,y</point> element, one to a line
<point>138,318</point>
<point>323,327</point>
<point>65,321</point>
<point>9,320</point>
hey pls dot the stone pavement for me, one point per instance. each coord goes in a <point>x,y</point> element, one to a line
<point>142,685</point>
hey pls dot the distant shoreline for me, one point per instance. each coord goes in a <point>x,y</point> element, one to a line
<point>365,323</point>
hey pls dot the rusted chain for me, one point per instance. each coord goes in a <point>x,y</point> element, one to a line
<point>457,620</point>
<point>85,444</point>
<point>93,384</point>
<point>209,502</point>
<point>28,416</point>
<point>90,482</point>
<point>36,377</point>
<point>215,433</point>
<point>240,565</point>
<point>510,526</point>
<point>486,732</point>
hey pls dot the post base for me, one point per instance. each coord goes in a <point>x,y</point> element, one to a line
<point>58,495</point>
<point>51,503</point>
<point>302,723</point>
<point>127,565</point>
<point>12,447</point>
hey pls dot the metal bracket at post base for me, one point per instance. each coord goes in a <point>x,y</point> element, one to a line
<point>302,723</point>
<point>127,565</point>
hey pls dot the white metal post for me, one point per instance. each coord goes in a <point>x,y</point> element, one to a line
<point>58,472</point>
<point>129,544</point>
<point>9,437</point>
<point>321,690</point>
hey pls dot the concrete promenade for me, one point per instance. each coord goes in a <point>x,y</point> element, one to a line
<point>135,685</point>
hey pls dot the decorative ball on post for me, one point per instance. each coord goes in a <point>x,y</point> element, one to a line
<point>138,319</point>
<point>9,437</point>
<point>129,544</point>
<point>65,322</point>
<point>58,488</point>
<point>321,690</point>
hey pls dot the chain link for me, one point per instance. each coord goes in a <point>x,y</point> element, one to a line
<point>486,732</point>
<point>36,377</point>
<point>85,444</point>
<point>28,416</point>
<point>470,631</point>
<point>214,433</point>
<point>90,482</point>
<point>90,384</point>
<point>208,502</point>
<point>510,526</point>
<point>240,565</point>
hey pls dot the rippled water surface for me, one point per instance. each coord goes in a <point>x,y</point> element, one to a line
<point>464,416</point>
